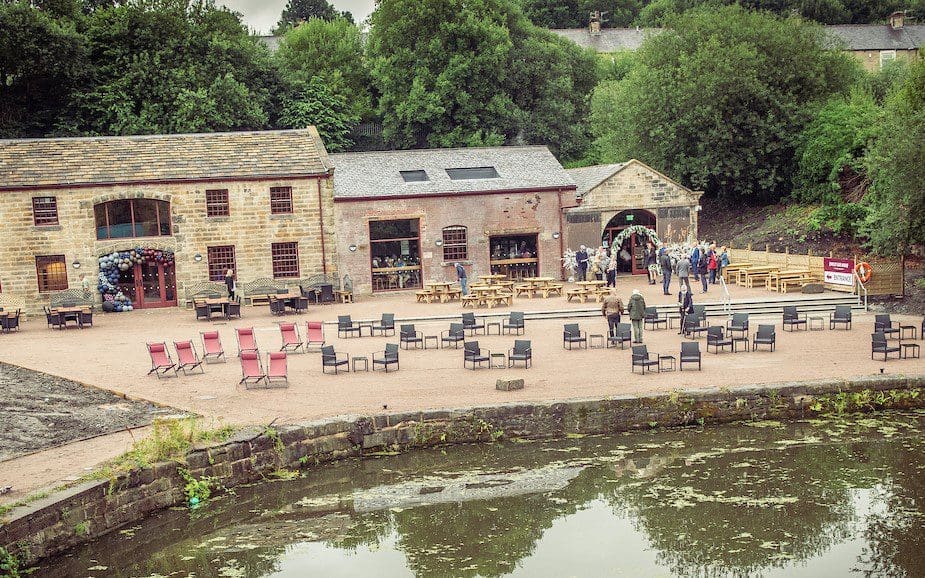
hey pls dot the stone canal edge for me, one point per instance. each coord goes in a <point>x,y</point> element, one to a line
<point>76,515</point>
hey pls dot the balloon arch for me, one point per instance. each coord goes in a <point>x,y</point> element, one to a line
<point>117,261</point>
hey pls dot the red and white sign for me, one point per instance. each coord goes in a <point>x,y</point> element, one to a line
<point>839,271</point>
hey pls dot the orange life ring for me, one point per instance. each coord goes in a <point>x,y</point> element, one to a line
<point>864,271</point>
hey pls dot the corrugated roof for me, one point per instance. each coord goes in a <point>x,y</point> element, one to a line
<point>180,157</point>
<point>586,178</point>
<point>377,174</point>
<point>879,36</point>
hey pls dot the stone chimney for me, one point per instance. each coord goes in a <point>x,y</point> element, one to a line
<point>896,20</point>
<point>594,23</point>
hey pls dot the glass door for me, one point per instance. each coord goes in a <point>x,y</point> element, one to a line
<point>155,285</point>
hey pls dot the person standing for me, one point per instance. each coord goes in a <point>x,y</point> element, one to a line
<point>581,257</point>
<point>723,261</point>
<point>612,308</point>
<point>685,305</point>
<point>229,283</point>
<point>650,263</point>
<point>665,262</point>
<point>704,272</point>
<point>684,271</point>
<point>637,311</point>
<point>695,262</point>
<point>713,265</point>
<point>463,278</point>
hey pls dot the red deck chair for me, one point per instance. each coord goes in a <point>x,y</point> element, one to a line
<point>251,368</point>
<point>160,360</point>
<point>246,340</point>
<point>187,358</point>
<point>277,372</point>
<point>291,340</point>
<point>315,334</point>
<point>212,346</point>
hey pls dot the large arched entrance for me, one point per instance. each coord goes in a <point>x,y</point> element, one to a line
<point>630,254</point>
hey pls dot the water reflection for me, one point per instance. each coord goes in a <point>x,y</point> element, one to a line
<point>821,498</point>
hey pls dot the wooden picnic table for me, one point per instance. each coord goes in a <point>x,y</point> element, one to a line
<point>753,274</point>
<point>773,282</point>
<point>488,295</point>
<point>442,290</point>
<point>493,277</point>
<point>741,274</point>
<point>731,270</point>
<point>70,314</point>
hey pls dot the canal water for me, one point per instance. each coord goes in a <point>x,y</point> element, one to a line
<point>821,498</point>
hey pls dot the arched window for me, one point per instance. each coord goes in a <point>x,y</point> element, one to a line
<point>455,243</point>
<point>126,218</point>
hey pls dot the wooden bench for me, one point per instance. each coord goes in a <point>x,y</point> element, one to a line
<point>521,289</point>
<point>551,288</point>
<point>795,283</point>
<point>578,292</point>
<point>453,294</point>
<point>424,296</point>
<point>470,300</point>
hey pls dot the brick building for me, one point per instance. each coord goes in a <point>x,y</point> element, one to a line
<point>404,217</point>
<point>613,198</point>
<point>260,203</point>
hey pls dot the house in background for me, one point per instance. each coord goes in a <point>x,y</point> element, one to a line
<point>260,203</point>
<point>613,200</point>
<point>405,217</point>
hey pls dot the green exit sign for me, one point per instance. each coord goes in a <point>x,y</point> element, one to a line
<point>629,218</point>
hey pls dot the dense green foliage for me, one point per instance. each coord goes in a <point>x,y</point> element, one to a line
<point>575,13</point>
<point>455,73</point>
<point>298,11</point>
<point>719,99</point>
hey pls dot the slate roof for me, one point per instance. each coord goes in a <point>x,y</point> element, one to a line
<point>879,36</point>
<point>376,174</point>
<point>176,157</point>
<point>610,40</point>
<point>589,177</point>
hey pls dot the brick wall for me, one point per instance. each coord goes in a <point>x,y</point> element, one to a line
<point>484,215</point>
<point>250,228</point>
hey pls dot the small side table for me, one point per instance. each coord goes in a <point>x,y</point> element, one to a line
<point>666,363</point>
<point>368,325</point>
<point>817,323</point>
<point>596,341</point>
<point>354,361</point>
<point>904,328</point>
<point>499,360</point>
<point>496,325</point>
<point>739,340</point>
<point>434,340</point>
<point>910,350</point>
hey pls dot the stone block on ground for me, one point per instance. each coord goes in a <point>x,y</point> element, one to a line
<point>813,288</point>
<point>509,384</point>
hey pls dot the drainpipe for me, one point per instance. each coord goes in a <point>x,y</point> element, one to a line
<point>561,231</point>
<point>324,260</point>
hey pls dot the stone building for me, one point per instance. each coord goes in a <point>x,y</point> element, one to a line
<point>619,198</point>
<point>260,203</point>
<point>404,217</point>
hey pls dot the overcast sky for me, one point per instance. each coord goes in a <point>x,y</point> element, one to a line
<point>262,15</point>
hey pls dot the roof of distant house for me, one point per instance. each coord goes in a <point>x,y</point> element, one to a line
<point>26,163</point>
<point>427,172</point>
<point>854,36</point>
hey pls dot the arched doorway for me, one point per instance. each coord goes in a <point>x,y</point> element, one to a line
<point>630,254</point>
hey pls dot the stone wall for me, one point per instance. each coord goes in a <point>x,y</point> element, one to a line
<point>483,215</point>
<point>250,228</point>
<point>69,518</point>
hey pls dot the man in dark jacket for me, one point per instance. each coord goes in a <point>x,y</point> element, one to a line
<point>637,312</point>
<point>685,305</point>
<point>665,263</point>
<point>581,257</point>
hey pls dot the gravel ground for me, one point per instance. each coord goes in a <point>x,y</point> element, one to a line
<point>38,411</point>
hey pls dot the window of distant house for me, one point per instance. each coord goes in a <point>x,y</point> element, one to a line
<point>280,200</point>
<point>285,260</point>
<point>468,173</point>
<point>220,260</point>
<point>886,57</point>
<point>51,271</point>
<point>127,218</point>
<point>45,211</point>
<point>217,203</point>
<point>414,176</point>
<point>455,245</point>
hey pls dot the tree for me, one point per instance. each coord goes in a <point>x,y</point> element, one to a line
<point>896,218</point>
<point>331,50</point>
<point>719,98</point>
<point>313,103</point>
<point>172,67</point>
<point>297,11</point>
<point>575,13</point>
<point>465,73</point>
<point>41,61</point>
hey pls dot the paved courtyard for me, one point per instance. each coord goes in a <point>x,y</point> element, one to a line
<point>112,356</point>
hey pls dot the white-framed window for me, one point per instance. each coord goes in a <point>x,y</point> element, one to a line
<point>887,56</point>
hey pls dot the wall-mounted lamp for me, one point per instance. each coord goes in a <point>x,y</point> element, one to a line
<point>555,235</point>
<point>197,257</point>
<point>438,242</point>
<point>76,264</point>
<point>698,208</point>
<point>352,248</point>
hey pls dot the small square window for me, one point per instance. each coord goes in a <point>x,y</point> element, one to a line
<point>220,260</point>
<point>280,200</point>
<point>414,176</point>
<point>469,173</point>
<point>45,211</point>
<point>285,260</point>
<point>217,203</point>
<point>51,271</point>
<point>455,244</point>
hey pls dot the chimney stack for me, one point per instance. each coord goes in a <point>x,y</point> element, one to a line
<point>896,20</point>
<point>594,23</point>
